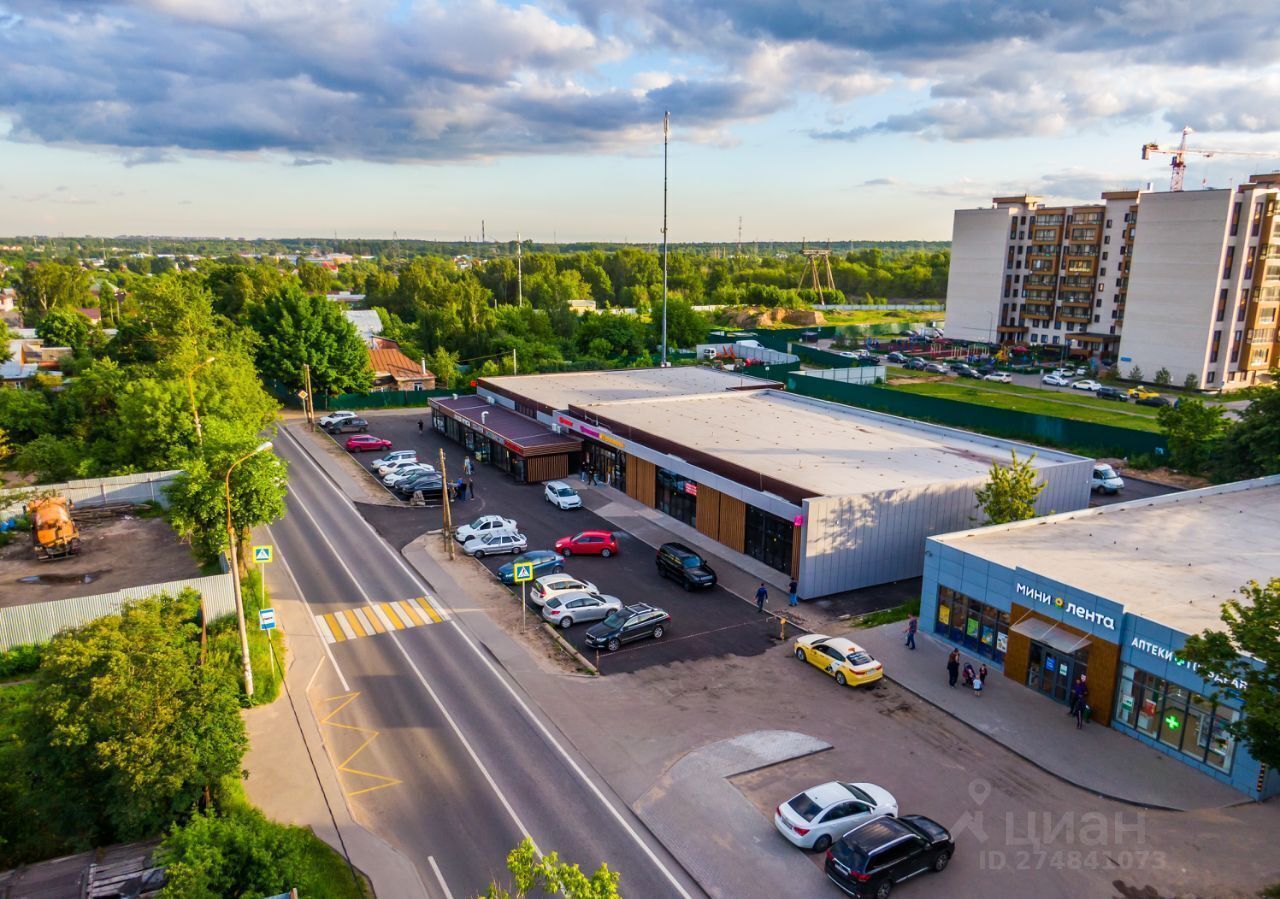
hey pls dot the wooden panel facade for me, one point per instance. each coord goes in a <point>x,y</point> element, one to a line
<point>733,522</point>
<point>1018,652</point>
<point>708,512</point>
<point>796,538</point>
<point>1104,663</point>
<point>641,480</point>
<point>546,468</point>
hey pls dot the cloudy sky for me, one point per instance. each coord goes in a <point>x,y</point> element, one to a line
<point>840,119</point>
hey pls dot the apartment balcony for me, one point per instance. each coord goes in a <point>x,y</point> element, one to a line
<point>1041,312</point>
<point>1261,335</point>
<point>1074,315</point>
<point>1081,251</point>
<point>1076,299</point>
<point>1262,363</point>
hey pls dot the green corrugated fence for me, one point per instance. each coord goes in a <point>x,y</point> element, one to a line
<point>1097,439</point>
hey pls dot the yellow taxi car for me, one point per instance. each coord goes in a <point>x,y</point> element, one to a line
<point>846,661</point>
<point>1141,393</point>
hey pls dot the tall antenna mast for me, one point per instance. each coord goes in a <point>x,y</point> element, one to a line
<point>666,137</point>
<point>519,272</point>
<point>739,235</point>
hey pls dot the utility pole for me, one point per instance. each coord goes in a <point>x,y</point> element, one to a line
<point>519,272</point>
<point>666,137</point>
<point>515,366</point>
<point>739,235</point>
<point>447,527</point>
<point>308,407</point>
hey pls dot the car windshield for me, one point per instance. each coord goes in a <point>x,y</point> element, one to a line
<point>563,491</point>
<point>861,795</point>
<point>805,807</point>
<point>690,561</point>
<point>1105,471</point>
<point>617,619</point>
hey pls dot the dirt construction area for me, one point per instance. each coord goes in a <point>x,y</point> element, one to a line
<point>115,553</point>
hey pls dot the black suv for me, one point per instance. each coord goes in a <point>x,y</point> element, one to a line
<point>871,858</point>
<point>429,483</point>
<point>348,426</point>
<point>1112,393</point>
<point>678,562</point>
<point>627,624</point>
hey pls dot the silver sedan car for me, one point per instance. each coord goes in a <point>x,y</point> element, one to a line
<point>576,606</point>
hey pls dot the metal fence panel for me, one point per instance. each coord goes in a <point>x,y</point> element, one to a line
<point>147,486</point>
<point>39,622</point>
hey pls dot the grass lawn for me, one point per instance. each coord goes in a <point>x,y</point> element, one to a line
<point>888,616</point>
<point>1041,402</point>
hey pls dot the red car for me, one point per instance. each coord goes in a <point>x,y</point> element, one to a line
<point>359,443</point>
<point>588,543</point>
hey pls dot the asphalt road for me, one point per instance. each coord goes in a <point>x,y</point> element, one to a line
<point>703,623</point>
<point>448,760</point>
<point>1134,488</point>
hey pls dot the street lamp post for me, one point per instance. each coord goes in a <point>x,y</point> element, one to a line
<point>666,138</point>
<point>191,392</point>
<point>235,570</point>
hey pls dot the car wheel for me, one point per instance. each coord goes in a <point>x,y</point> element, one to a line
<point>822,843</point>
<point>800,654</point>
<point>688,586</point>
<point>840,679</point>
<point>606,553</point>
<point>566,623</point>
<point>658,632</point>
<point>479,554</point>
<point>557,569</point>
<point>883,891</point>
<point>612,645</point>
<point>941,861</point>
<point>568,551</point>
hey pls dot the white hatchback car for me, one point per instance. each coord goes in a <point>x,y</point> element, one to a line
<point>398,456</point>
<point>398,466</point>
<point>550,585</point>
<point>405,472</point>
<point>1085,385</point>
<point>495,543</point>
<point>578,606</point>
<point>822,814</point>
<point>1055,380</point>
<point>334,417</point>
<point>485,524</point>
<point>1001,377</point>
<point>561,495</point>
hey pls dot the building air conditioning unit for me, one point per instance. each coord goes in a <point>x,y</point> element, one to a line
<point>490,400</point>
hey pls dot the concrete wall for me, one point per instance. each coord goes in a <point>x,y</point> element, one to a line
<point>859,541</point>
<point>975,284</point>
<point>1178,254</point>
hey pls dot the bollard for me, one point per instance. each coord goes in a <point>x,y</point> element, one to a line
<point>782,628</point>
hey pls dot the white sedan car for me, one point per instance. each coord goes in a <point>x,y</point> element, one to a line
<point>578,606</point>
<point>485,524</point>
<point>1001,377</point>
<point>397,456</point>
<point>1085,385</point>
<point>552,585</point>
<point>495,543</point>
<point>398,466</point>
<point>1055,380</point>
<point>405,472</point>
<point>334,417</point>
<point>822,814</point>
<point>561,495</point>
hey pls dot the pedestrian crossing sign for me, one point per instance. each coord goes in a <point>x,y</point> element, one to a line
<point>262,554</point>
<point>523,571</point>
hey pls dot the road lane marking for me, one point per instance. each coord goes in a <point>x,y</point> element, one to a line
<point>417,578</point>
<point>427,609</point>
<point>537,722</point>
<point>369,734</point>
<point>332,624</point>
<point>303,599</point>
<point>381,616</point>
<point>431,860</point>
<point>396,623</point>
<point>354,622</point>
<point>378,618</point>
<point>413,666</point>
<point>341,622</point>
<point>407,609</point>
<point>371,621</point>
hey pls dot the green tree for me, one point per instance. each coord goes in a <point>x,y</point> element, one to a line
<point>444,365</point>
<point>128,727</point>
<point>1191,382</point>
<point>1163,377</point>
<point>1011,492</point>
<point>685,325</point>
<point>1193,431</point>
<point>295,328</point>
<point>48,285</point>
<point>1248,653</point>
<point>1135,374</point>
<point>531,875</point>
<point>197,497</point>
<point>1251,447</point>
<point>52,459</point>
<point>65,327</point>
<point>314,278</point>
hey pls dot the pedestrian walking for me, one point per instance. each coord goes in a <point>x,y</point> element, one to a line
<point>453,492</point>
<point>793,598</point>
<point>419,425</point>
<point>461,490</point>
<point>980,680</point>
<point>471,488</point>
<point>953,667</point>
<point>913,623</point>
<point>582,473</point>
<point>761,595</point>
<point>1079,700</point>
<point>969,675</point>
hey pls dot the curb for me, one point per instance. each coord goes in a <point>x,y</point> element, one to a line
<point>568,647</point>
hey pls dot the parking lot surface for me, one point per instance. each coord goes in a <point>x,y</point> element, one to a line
<point>703,623</point>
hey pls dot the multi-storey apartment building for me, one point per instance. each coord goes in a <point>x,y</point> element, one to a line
<point>1192,285</point>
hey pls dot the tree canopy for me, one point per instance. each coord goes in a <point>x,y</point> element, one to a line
<point>1011,491</point>
<point>295,328</point>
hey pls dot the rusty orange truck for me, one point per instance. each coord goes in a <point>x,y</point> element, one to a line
<point>54,534</point>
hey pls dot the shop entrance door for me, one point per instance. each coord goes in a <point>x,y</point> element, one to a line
<point>1051,671</point>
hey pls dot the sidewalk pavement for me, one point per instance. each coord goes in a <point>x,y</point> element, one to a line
<point>1098,758</point>
<point>738,573</point>
<point>290,775</point>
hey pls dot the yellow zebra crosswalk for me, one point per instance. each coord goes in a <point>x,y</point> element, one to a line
<point>378,618</point>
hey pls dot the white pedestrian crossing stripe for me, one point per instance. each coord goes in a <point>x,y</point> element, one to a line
<point>370,620</point>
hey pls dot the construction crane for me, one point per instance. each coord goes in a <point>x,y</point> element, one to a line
<point>1179,154</point>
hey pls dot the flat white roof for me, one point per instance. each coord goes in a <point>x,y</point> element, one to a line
<point>579,388</point>
<point>826,448</point>
<point>1173,559</point>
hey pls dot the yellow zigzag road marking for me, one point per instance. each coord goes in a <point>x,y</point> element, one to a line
<point>345,764</point>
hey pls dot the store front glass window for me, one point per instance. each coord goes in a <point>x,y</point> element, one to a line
<point>677,496</point>
<point>980,628</point>
<point>1193,724</point>
<point>608,464</point>
<point>768,539</point>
